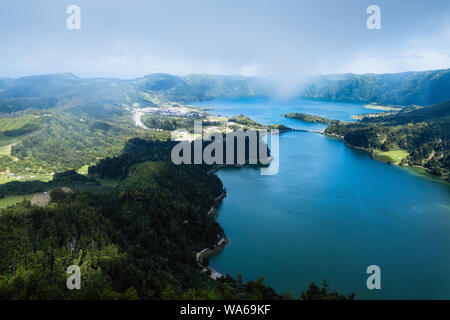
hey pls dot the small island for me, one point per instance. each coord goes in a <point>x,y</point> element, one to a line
<point>310,118</point>
<point>246,121</point>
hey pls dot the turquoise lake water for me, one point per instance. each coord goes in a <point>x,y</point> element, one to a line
<point>331,211</point>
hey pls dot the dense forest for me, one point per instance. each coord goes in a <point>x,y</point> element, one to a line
<point>424,133</point>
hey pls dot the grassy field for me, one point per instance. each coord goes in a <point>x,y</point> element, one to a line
<point>13,130</point>
<point>84,169</point>
<point>9,201</point>
<point>5,150</point>
<point>25,177</point>
<point>394,156</point>
<point>24,123</point>
<point>7,142</point>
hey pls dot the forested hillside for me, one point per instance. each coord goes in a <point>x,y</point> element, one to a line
<point>96,97</point>
<point>310,118</point>
<point>420,88</point>
<point>424,133</point>
<point>102,96</point>
<point>136,242</point>
<point>194,87</point>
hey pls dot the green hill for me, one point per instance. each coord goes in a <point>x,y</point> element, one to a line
<point>420,88</point>
<point>310,118</point>
<point>420,137</point>
<point>434,113</point>
<point>136,242</point>
<point>14,130</point>
<point>194,87</point>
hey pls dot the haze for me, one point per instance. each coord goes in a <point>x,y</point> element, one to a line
<point>282,40</point>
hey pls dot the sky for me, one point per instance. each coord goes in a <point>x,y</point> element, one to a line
<point>284,40</point>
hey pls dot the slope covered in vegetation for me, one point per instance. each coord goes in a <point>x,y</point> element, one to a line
<point>310,118</point>
<point>421,88</point>
<point>423,133</point>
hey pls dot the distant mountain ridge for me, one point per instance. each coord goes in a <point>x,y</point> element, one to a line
<point>189,87</point>
<point>100,96</point>
<point>103,95</point>
<point>420,88</point>
<point>97,97</point>
<point>194,87</point>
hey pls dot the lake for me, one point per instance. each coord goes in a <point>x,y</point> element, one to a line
<point>331,211</point>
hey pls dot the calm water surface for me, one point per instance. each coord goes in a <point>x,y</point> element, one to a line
<point>331,211</point>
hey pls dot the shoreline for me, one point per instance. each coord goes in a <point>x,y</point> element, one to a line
<point>219,246</point>
<point>208,252</point>
<point>372,154</point>
<point>223,242</point>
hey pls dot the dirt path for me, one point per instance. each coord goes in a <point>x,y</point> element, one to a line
<point>42,199</point>
<point>137,114</point>
<point>208,251</point>
<point>223,242</point>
